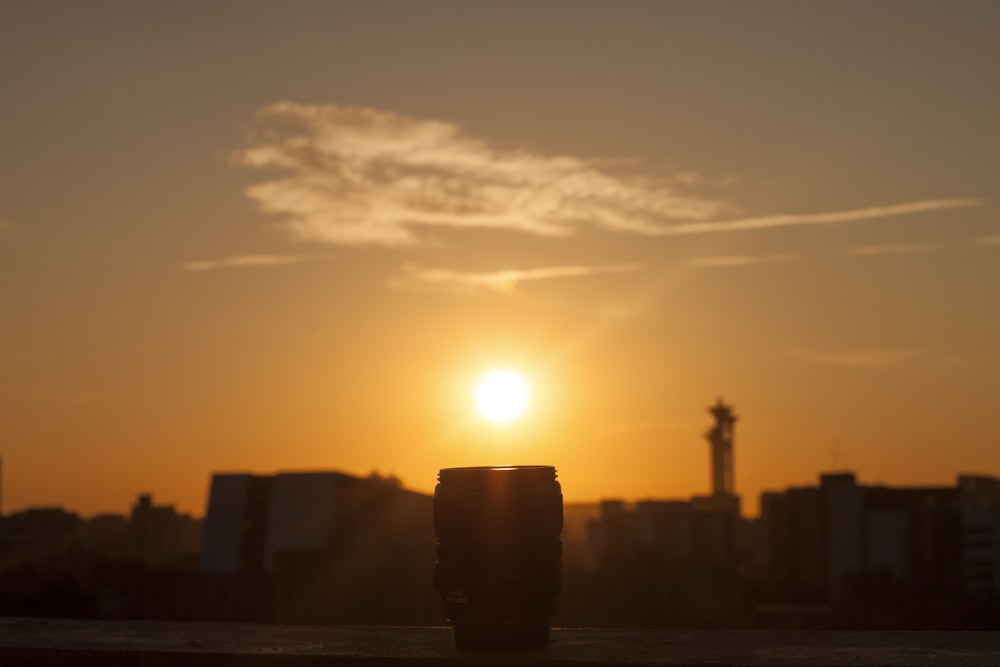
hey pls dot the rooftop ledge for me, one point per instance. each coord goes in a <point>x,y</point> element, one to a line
<point>160,644</point>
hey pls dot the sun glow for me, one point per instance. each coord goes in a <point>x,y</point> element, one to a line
<point>502,396</point>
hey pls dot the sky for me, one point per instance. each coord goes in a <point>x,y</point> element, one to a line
<point>262,236</point>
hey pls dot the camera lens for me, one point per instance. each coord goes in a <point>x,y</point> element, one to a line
<point>499,553</point>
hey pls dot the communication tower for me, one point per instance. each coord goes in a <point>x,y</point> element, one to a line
<point>720,438</point>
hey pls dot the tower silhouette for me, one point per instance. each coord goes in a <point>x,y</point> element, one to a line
<point>720,438</point>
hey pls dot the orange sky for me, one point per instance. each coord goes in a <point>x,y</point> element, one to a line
<point>252,236</point>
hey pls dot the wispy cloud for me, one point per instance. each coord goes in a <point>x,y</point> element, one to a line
<point>243,261</point>
<point>788,220</point>
<point>744,260</point>
<point>891,249</point>
<point>364,176</point>
<point>987,240</point>
<point>463,282</point>
<point>869,358</point>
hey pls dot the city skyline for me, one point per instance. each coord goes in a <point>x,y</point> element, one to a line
<point>743,502</point>
<point>256,237</point>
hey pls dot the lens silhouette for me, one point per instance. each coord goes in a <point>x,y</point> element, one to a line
<point>499,554</point>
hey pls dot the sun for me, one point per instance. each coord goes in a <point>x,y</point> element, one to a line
<point>502,396</point>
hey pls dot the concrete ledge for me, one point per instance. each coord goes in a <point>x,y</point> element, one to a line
<point>161,644</point>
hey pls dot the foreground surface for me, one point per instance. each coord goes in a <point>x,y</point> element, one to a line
<point>69,642</point>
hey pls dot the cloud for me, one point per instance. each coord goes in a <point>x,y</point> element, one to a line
<point>788,220</point>
<point>462,282</point>
<point>891,249</point>
<point>242,261</point>
<point>362,176</point>
<point>744,260</point>
<point>870,358</point>
<point>987,240</point>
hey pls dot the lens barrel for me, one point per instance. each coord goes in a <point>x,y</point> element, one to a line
<point>499,554</point>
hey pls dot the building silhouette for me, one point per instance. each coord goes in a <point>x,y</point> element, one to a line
<point>918,556</point>
<point>55,563</point>
<point>46,540</point>
<point>158,536</point>
<point>665,561</point>
<point>254,520</point>
<point>321,547</point>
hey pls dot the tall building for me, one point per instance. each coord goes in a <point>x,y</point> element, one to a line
<point>980,497</point>
<point>323,547</point>
<point>938,541</point>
